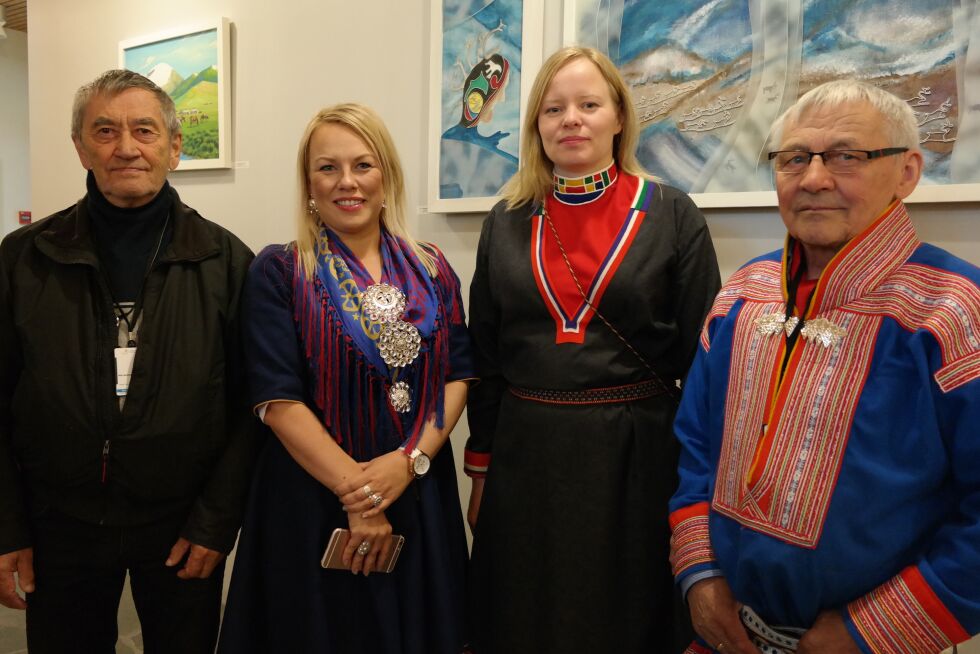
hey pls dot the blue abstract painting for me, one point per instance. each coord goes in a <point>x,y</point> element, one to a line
<point>710,77</point>
<point>479,139</point>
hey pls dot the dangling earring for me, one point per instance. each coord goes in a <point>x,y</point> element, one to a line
<point>311,208</point>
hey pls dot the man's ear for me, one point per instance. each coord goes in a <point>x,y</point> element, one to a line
<point>911,173</point>
<point>176,143</point>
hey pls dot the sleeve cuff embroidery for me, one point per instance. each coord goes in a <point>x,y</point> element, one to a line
<point>690,544</point>
<point>904,616</point>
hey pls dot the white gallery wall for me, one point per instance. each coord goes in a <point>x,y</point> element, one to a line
<point>289,59</point>
<point>15,187</point>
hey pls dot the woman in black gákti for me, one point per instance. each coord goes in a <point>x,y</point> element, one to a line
<point>591,284</point>
<point>357,355</point>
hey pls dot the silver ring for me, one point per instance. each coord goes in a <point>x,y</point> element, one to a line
<point>367,491</point>
<point>364,548</point>
<point>376,499</point>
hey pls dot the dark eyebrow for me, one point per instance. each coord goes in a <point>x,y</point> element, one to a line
<point>145,121</point>
<point>103,121</point>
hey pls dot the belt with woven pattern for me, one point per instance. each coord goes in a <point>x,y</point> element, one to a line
<point>607,395</point>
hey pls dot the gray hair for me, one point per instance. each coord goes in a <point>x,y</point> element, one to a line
<point>113,82</point>
<point>898,119</point>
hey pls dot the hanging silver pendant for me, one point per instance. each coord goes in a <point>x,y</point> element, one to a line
<point>383,303</point>
<point>400,396</point>
<point>399,343</point>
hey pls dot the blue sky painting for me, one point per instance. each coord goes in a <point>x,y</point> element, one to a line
<point>710,77</point>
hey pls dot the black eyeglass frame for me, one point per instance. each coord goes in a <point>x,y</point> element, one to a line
<point>871,154</point>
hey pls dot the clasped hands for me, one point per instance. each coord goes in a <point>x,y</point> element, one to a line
<point>383,478</point>
<point>714,614</point>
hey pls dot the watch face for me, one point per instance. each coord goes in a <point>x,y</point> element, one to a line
<point>420,466</point>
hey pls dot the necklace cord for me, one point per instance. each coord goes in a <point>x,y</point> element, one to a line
<point>670,393</point>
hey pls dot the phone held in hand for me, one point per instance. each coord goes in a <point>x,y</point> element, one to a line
<point>333,556</point>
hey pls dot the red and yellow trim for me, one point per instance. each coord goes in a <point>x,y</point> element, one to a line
<point>904,616</point>
<point>690,542</point>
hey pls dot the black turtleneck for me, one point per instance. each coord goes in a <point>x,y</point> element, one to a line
<point>126,238</point>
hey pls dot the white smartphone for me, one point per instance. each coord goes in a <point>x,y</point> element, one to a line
<point>333,556</point>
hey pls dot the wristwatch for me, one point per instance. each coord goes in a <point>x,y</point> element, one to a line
<point>419,463</point>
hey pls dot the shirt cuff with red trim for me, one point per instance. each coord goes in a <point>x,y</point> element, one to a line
<point>903,616</point>
<point>475,464</point>
<point>690,543</point>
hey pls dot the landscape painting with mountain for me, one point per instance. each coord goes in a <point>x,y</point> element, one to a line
<point>187,68</point>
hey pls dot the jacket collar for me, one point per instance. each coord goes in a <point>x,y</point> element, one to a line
<point>69,238</point>
<point>864,263</point>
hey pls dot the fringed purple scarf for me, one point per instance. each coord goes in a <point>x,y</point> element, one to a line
<point>350,379</point>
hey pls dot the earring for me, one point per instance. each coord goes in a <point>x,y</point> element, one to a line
<point>384,205</point>
<point>311,207</point>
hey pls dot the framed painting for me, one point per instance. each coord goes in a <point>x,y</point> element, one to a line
<point>192,65</point>
<point>483,58</point>
<point>710,77</point>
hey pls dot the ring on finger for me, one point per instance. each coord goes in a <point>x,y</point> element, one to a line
<point>364,548</point>
<point>376,499</point>
<point>367,490</point>
<point>720,646</point>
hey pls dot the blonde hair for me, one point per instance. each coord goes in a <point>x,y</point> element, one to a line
<point>369,127</point>
<point>533,180</point>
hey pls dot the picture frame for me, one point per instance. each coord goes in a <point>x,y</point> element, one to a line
<point>739,94</point>
<point>191,63</point>
<point>478,51</point>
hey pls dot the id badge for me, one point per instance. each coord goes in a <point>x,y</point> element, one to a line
<point>124,369</point>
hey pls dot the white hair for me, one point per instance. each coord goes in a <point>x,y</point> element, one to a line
<point>897,117</point>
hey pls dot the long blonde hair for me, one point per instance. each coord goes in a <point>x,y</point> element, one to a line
<point>369,127</point>
<point>533,180</point>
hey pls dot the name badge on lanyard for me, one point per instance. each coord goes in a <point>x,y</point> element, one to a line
<point>125,356</point>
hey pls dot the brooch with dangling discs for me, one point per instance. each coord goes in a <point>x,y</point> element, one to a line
<point>399,341</point>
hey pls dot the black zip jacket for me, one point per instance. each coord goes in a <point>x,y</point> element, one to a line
<point>184,442</point>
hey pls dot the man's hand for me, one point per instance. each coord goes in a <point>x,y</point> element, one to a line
<point>201,561</point>
<point>20,562</point>
<point>714,614</point>
<point>828,635</point>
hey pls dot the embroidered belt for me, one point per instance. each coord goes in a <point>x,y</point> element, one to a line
<point>768,639</point>
<point>607,395</point>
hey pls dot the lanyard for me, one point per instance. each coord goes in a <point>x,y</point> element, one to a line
<point>131,317</point>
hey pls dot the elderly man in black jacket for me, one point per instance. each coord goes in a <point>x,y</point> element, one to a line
<point>125,440</point>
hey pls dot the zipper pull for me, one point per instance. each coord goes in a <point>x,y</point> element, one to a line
<point>105,460</point>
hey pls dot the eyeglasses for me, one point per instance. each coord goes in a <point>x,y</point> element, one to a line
<point>839,162</point>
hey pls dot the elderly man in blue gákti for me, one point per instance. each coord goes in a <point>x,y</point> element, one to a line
<point>830,493</point>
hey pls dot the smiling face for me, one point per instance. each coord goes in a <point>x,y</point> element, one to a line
<point>825,211</point>
<point>578,119</point>
<point>124,142</point>
<point>345,181</point>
